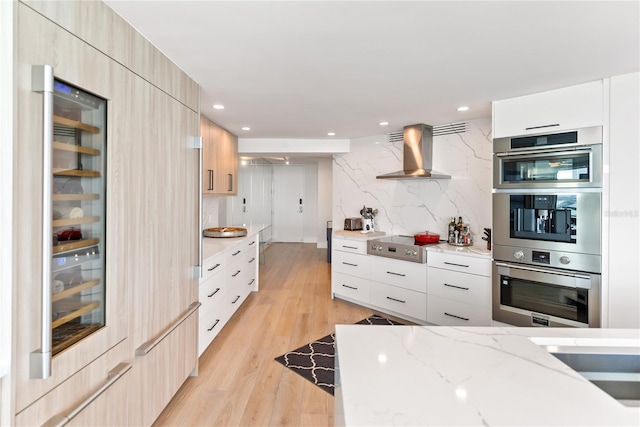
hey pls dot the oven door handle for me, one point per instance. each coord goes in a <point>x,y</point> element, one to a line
<point>546,152</point>
<point>538,270</point>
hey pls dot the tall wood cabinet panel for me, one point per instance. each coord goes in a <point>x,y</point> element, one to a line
<point>92,20</point>
<point>73,61</point>
<point>151,215</point>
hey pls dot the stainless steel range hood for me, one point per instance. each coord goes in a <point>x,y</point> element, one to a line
<point>418,153</point>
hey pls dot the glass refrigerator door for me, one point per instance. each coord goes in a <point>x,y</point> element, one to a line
<point>78,166</point>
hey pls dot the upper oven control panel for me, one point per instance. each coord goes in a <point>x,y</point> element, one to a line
<point>545,258</point>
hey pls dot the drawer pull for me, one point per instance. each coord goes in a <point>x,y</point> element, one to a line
<point>396,274</point>
<point>235,253</point>
<point>235,300</point>
<point>214,292</point>
<point>349,247</point>
<point>214,325</point>
<point>251,282</point>
<point>543,126</point>
<point>348,263</point>
<point>252,243</point>
<point>397,300</point>
<point>145,348</point>
<point>235,274</point>
<point>457,317</point>
<point>112,376</point>
<point>213,268</point>
<point>252,259</point>
<point>457,287</point>
<point>351,287</point>
<point>457,265</point>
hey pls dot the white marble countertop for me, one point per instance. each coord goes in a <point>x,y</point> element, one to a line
<point>425,376</point>
<point>358,235</point>
<point>212,246</point>
<point>476,250</point>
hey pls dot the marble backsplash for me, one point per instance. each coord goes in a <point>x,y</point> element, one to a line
<point>410,206</point>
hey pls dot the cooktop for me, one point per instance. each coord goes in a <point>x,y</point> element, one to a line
<point>399,247</point>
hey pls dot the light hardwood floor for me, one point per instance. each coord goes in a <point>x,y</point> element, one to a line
<point>239,383</point>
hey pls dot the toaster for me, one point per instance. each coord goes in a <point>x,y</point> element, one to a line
<point>353,223</point>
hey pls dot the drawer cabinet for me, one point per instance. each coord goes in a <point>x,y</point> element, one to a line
<point>213,265</point>
<point>408,275</point>
<point>461,263</point>
<point>463,287</point>
<point>228,279</point>
<point>450,312</point>
<point>350,263</point>
<point>557,110</point>
<point>348,245</point>
<point>404,302</point>
<point>350,270</point>
<point>458,289</point>
<point>356,288</point>
<point>110,372</point>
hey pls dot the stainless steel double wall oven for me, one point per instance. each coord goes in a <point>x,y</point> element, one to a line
<point>547,228</point>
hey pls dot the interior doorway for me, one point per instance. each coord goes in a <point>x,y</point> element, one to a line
<point>288,203</point>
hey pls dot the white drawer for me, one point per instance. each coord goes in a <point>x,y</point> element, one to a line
<point>465,264</point>
<point>210,323</point>
<point>353,264</point>
<point>211,292</point>
<point>408,275</point>
<point>212,265</point>
<point>251,245</point>
<point>398,300</point>
<point>350,286</point>
<point>235,253</point>
<point>348,245</point>
<point>462,287</point>
<point>444,312</point>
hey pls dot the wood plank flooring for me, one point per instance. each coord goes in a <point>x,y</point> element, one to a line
<point>239,383</point>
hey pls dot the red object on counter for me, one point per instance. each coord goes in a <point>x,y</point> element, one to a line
<point>426,237</point>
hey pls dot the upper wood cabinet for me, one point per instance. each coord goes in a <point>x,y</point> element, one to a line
<point>219,159</point>
<point>557,110</point>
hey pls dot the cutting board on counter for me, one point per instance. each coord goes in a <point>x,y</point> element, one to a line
<point>358,233</point>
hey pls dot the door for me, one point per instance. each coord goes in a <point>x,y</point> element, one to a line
<point>288,203</point>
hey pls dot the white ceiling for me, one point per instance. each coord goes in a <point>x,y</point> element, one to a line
<point>300,69</point>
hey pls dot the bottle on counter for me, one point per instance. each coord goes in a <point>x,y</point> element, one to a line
<point>452,228</point>
<point>460,224</point>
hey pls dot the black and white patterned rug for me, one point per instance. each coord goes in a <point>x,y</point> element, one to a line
<point>315,360</point>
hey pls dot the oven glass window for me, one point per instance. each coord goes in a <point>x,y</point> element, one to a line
<point>573,167</point>
<point>550,217</point>
<point>552,300</point>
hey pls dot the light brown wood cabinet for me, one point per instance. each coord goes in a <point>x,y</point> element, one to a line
<point>149,342</point>
<point>219,159</point>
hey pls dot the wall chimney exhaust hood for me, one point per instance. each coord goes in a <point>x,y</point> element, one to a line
<point>418,153</point>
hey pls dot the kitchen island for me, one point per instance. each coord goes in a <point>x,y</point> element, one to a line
<point>421,375</point>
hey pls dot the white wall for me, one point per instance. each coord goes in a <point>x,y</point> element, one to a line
<point>310,217</point>
<point>6,196</point>
<point>410,206</point>
<point>325,190</point>
<point>623,212</point>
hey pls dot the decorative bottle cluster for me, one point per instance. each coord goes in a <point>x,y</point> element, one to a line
<point>459,233</point>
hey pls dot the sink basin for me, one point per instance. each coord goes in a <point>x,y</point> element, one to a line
<point>615,370</point>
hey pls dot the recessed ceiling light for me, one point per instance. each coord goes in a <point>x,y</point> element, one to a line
<point>384,123</point>
<point>246,128</point>
<point>218,106</point>
<point>463,108</point>
<point>331,134</point>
